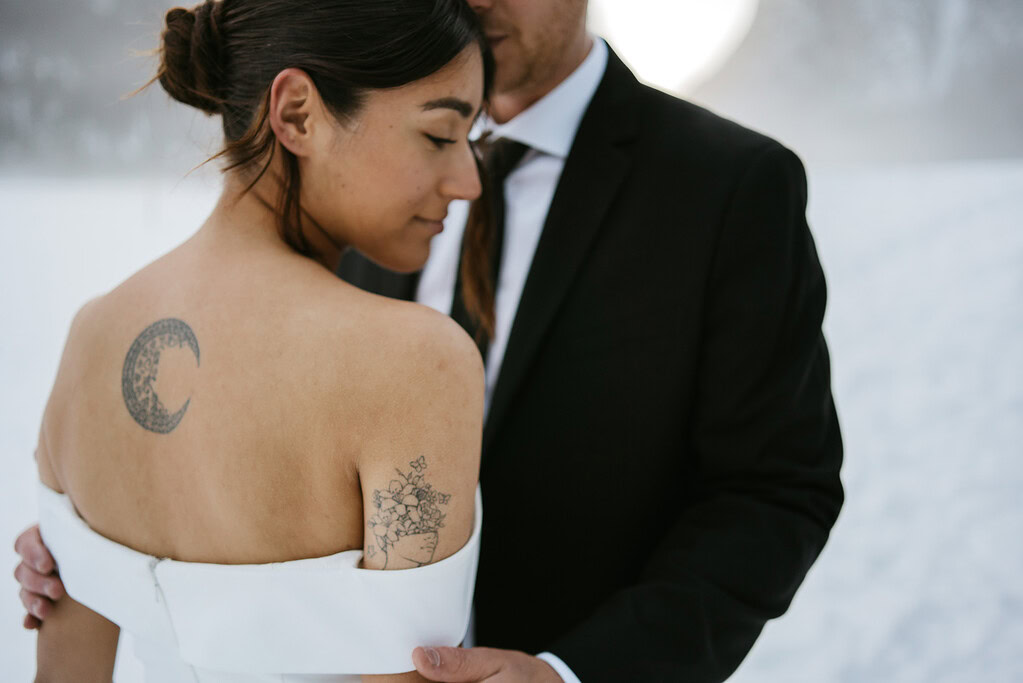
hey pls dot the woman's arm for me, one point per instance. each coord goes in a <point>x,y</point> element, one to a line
<point>37,573</point>
<point>74,643</point>
<point>419,482</point>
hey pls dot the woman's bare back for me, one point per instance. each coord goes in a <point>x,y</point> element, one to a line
<point>236,403</point>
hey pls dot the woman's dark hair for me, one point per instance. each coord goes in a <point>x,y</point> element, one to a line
<point>222,57</point>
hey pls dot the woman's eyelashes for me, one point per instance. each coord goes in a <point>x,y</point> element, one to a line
<point>440,143</point>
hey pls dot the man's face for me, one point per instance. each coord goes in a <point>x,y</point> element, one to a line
<point>531,39</point>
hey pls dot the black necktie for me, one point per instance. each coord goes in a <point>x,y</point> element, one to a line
<point>499,158</point>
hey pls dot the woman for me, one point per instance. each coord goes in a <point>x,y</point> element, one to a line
<point>237,408</point>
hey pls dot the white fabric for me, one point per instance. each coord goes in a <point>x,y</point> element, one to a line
<point>559,666</point>
<point>275,622</point>
<point>548,127</point>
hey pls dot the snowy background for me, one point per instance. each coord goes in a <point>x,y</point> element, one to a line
<point>907,115</point>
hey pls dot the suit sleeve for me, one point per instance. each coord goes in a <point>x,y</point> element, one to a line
<point>765,486</point>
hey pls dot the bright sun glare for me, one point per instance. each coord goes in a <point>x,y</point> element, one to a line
<point>673,44</point>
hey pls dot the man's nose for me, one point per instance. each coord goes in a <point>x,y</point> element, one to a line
<point>481,5</point>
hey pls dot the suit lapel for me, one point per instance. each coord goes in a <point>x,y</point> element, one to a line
<point>595,168</point>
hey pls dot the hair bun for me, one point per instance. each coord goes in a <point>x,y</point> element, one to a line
<point>192,56</point>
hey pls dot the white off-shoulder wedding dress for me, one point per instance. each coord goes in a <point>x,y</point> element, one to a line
<point>320,619</point>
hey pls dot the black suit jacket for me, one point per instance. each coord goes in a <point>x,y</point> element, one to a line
<point>661,456</point>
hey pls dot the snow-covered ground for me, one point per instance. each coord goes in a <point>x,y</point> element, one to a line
<point>923,577</point>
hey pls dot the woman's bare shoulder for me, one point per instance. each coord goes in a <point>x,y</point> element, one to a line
<point>411,364</point>
<point>432,342</point>
<point>83,327</point>
<point>413,343</point>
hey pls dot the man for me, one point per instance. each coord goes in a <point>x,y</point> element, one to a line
<point>661,450</point>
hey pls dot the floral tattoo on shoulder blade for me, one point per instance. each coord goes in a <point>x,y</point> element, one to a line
<point>407,518</point>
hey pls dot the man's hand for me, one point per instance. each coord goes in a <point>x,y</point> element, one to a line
<point>37,574</point>
<point>460,665</point>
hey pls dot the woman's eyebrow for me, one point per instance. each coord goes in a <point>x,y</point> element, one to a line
<point>461,106</point>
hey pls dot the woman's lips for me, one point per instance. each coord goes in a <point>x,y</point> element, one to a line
<point>435,225</point>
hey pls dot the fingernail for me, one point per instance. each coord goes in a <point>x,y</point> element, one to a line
<point>433,655</point>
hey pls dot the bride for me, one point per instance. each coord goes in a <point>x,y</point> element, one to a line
<point>237,442</point>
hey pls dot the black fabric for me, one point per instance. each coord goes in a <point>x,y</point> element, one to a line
<point>661,454</point>
<point>360,271</point>
<point>500,157</point>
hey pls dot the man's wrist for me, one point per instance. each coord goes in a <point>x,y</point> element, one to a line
<point>559,667</point>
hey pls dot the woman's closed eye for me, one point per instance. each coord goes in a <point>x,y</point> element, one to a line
<point>440,143</point>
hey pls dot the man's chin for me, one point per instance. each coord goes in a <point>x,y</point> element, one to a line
<point>513,73</point>
<point>513,84</point>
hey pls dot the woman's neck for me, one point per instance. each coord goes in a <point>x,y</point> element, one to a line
<point>253,215</point>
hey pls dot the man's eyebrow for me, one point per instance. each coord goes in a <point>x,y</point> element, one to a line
<point>461,106</point>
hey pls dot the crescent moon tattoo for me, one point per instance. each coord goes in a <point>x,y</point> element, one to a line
<point>141,366</point>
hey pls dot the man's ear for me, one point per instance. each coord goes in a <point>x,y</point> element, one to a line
<point>293,108</point>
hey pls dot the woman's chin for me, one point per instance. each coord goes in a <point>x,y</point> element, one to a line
<point>412,262</point>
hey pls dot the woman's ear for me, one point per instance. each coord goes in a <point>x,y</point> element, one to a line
<point>294,104</point>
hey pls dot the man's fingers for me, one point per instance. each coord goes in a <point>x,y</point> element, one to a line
<point>38,607</point>
<point>34,582</point>
<point>457,665</point>
<point>32,550</point>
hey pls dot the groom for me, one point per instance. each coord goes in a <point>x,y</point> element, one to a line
<point>661,451</point>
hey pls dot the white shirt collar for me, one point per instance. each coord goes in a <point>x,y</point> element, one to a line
<point>549,125</point>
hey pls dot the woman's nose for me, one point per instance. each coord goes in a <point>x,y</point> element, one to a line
<point>464,180</point>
